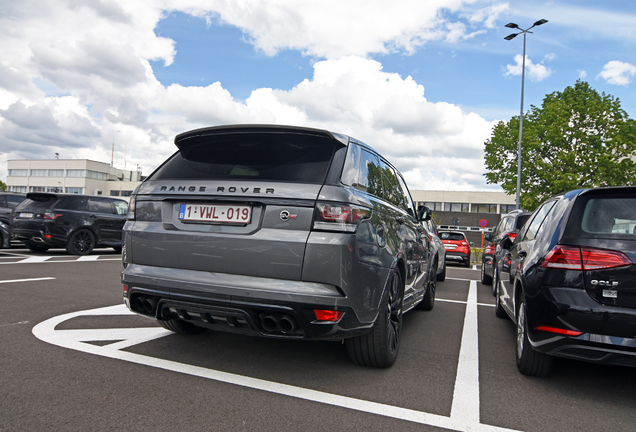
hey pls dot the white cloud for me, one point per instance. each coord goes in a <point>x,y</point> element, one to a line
<point>618,73</point>
<point>535,71</point>
<point>582,74</point>
<point>75,77</point>
<point>488,15</point>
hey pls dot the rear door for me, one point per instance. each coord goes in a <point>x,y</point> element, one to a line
<point>233,201</point>
<point>105,219</point>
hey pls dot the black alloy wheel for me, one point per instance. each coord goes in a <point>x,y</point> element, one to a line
<point>499,310</point>
<point>81,242</point>
<point>485,279</point>
<point>379,347</point>
<point>428,301</point>
<point>442,276</point>
<point>529,361</point>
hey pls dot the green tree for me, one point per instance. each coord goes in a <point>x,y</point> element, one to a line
<point>578,138</point>
<point>3,186</point>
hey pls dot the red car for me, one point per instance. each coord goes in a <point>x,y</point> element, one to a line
<point>456,246</point>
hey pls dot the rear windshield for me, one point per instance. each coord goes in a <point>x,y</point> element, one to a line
<point>268,157</point>
<point>451,236</point>
<point>603,216</point>
<point>36,203</point>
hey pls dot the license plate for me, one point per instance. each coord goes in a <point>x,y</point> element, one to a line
<point>25,215</point>
<point>217,213</point>
<point>450,246</point>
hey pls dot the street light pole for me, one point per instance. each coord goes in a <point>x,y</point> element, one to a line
<point>523,76</point>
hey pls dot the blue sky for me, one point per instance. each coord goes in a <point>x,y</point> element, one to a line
<point>423,82</point>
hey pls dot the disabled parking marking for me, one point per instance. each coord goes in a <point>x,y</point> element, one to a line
<point>464,411</point>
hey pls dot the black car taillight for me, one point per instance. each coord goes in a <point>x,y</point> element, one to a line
<point>52,215</point>
<point>131,209</point>
<point>339,217</point>
<point>584,258</point>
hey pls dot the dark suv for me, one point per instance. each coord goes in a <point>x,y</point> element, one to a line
<point>8,200</point>
<point>283,232</point>
<point>509,225</point>
<point>77,222</point>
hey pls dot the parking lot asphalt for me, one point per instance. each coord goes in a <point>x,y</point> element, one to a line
<point>72,358</point>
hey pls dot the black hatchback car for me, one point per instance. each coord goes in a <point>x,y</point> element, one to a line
<point>569,280</point>
<point>78,223</point>
<point>509,225</point>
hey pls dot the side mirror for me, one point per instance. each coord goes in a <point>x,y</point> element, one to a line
<point>471,244</point>
<point>506,242</point>
<point>423,213</point>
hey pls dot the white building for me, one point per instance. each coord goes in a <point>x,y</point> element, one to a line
<point>80,176</point>
<point>464,201</point>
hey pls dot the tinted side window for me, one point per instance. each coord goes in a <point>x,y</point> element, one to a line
<point>391,187</point>
<point>362,170</point>
<point>407,200</point>
<point>100,205</point>
<point>501,226</point>
<point>73,203</point>
<point>121,207</point>
<point>537,222</point>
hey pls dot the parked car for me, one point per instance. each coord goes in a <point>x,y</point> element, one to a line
<point>510,224</point>
<point>8,200</point>
<point>456,246</point>
<point>78,223</point>
<point>282,232</point>
<point>568,281</point>
<point>436,245</point>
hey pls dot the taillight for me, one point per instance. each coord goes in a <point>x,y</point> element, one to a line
<point>51,215</point>
<point>328,315</point>
<point>131,209</point>
<point>576,258</point>
<point>560,331</point>
<point>489,249</point>
<point>147,211</point>
<point>512,236</point>
<point>337,217</point>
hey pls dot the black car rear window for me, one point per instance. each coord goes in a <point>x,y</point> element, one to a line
<point>268,157</point>
<point>611,215</point>
<point>36,203</point>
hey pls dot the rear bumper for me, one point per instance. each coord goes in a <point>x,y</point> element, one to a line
<point>242,304</point>
<point>37,236</point>
<point>609,332</point>
<point>456,256</point>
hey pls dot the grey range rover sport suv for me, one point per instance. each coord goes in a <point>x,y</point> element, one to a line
<point>282,232</point>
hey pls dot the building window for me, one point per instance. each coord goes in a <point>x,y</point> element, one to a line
<point>114,193</point>
<point>37,189</point>
<point>435,206</point>
<point>21,189</point>
<point>96,175</point>
<point>75,173</point>
<point>506,208</point>
<point>126,193</point>
<point>74,190</point>
<point>456,207</point>
<point>484,208</point>
<point>18,173</point>
<point>39,173</point>
<point>56,173</point>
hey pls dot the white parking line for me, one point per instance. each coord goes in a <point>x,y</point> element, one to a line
<point>45,260</point>
<point>464,411</point>
<point>35,259</point>
<point>88,258</point>
<point>27,280</point>
<point>466,395</point>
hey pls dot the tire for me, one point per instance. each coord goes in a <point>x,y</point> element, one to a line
<point>485,279</point>
<point>467,262</point>
<point>81,242</point>
<point>36,247</point>
<point>379,348</point>
<point>428,301</point>
<point>529,361</point>
<point>442,276</point>
<point>180,326</point>
<point>500,312</point>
